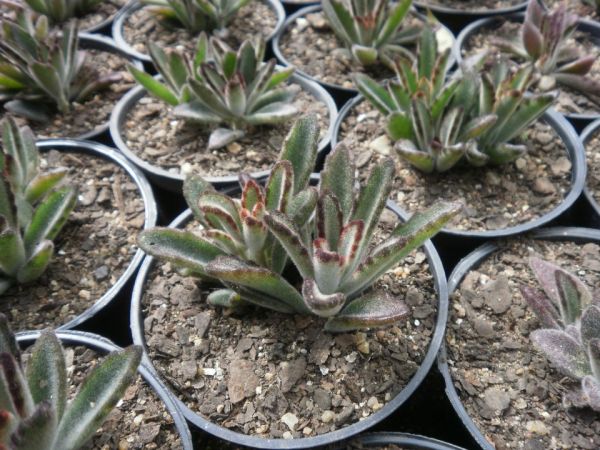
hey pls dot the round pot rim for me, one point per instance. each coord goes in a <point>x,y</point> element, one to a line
<point>134,5</point>
<point>586,25</point>
<point>408,440</point>
<point>462,268</point>
<point>585,135</point>
<point>106,23</point>
<point>441,292</point>
<point>330,86</point>
<point>150,214</point>
<point>470,14</point>
<point>131,98</point>
<point>574,149</point>
<point>103,344</point>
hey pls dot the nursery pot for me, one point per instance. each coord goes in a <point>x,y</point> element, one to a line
<point>575,154</point>
<point>138,325</point>
<point>79,147</point>
<point>586,135</point>
<point>104,346</point>
<point>119,23</point>
<point>104,26</point>
<point>472,262</point>
<point>174,181</point>
<point>404,440</point>
<point>590,27</point>
<point>340,93</point>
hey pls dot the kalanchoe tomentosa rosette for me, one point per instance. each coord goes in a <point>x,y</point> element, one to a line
<point>61,10</point>
<point>34,411</point>
<point>571,337</point>
<point>34,206</point>
<point>221,86</point>
<point>196,15</point>
<point>544,44</point>
<point>326,233</point>
<point>42,71</point>
<point>437,122</point>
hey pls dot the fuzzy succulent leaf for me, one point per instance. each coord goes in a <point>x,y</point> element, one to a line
<point>563,351</point>
<point>541,305</point>
<point>590,325</point>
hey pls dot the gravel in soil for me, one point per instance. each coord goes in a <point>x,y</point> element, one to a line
<point>104,11</point>
<point>472,5</point>
<point>254,19</point>
<point>569,101</point>
<point>91,252</point>
<point>310,45</point>
<point>153,133</point>
<point>139,421</point>
<point>281,376</point>
<point>94,113</point>
<point>579,7</point>
<point>509,389</point>
<point>592,151</point>
<point>494,197</point>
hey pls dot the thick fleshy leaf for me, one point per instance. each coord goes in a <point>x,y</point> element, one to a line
<point>19,401</point>
<point>221,212</point>
<point>418,158</point>
<point>272,113</point>
<point>8,342</point>
<point>340,20</point>
<point>279,186</point>
<point>532,40</point>
<point>323,305</point>
<point>591,389</point>
<point>193,187</point>
<point>252,194</point>
<point>328,267</point>
<point>563,351</point>
<point>377,95</point>
<point>580,66</point>
<point>593,350</point>
<point>47,374</point>
<point>302,206</point>
<point>49,81</point>
<point>449,156</point>
<point>196,111</point>
<point>371,310</point>
<point>542,306</point>
<point>35,431</point>
<point>590,324</point>
<point>181,248</point>
<point>573,296</point>
<point>349,244</point>
<point>300,148</point>
<point>37,263</point>
<point>255,235</point>
<point>399,126</point>
<point>393,21</point>
<point>43,183</point>
<point>337,177</point>
<point>153,86</point>
<point>225,298</point>
<point>99,393</point>
<point>328,219</point>
<point>238,272</point>
<point>12,252</point>
<point>221,137</point>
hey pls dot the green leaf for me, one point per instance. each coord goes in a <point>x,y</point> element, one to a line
<point>17,398</point>
<point>271,114</point>
<point>340,20</point>
<point>37,263</point>
<point>563,351</point>
<point>328,219</point>
<point>573,296</point>
<point>48,80</point>
<point>364,55</point>
<point>222,137</point>
<point>371,310</point>
<point>43,183</point>
<point>12,252</point>
<point>225,298</point>
<point>221,212</point>
<point>47,374</point>
<point>153,86</point>
<point>420,159</point>
<point>338,177</point>
<point>376,94</point>
<point>193,187</point>
<point>279,186</point>
<point>180,248</point>
<point>35,431</point>
<point>196,111</point>
<point>590,325</point>
<point>323,305</point>
<point>300,148</point>
<point>98,395</point>
<point>393,21</point>
<point>427,53</point>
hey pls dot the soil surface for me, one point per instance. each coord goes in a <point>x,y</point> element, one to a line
<point>256,18</point>
<point>105,10</point>
<point>139,421</point>
<point>281,376</point>
<point>509,389</point>
<point>471,5</point>
<point>91,252</point>
<point>152,132</point>
<point>580,7</point>
<point>310,45</point>
<point>94,113</point>
<point>495,197</point>
<point>592,152</point>
<point>569,100</point>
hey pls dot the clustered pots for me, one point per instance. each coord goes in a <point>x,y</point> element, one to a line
<point>308,297</point>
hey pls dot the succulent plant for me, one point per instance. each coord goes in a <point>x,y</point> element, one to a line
<point>571,337</point>
<point>34,411</point>
<point>472,116</point>
<point>59,11</point>
<point>197,15</point>
<point>33,208</point>
<point>371,29</point>
<point>42,70</point>
<point>544,43</point>
<point>326,233</point>
<point>221,86</point>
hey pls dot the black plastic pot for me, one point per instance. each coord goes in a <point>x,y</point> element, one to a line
<point>586,134</point>
<point>472,261</point>
<point>137,330</point>
<point>456,19</point>
<point>590,27</point>
<point>340,94</point>
<point>406,440</point>
<point>104,346</point>
<point>291,6</point>
<point>576,155</point>
<point>104,27</point>
<point>134,5</point>
<point>87,147</point>
<point>173,182</point>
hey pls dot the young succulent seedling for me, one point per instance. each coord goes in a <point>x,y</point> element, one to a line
<point>545,44</point>
<point>571,337</point>
<point>326,233</point>
<point>34,411</point>
<point>371,29</point>
<point>472,116</point>
<point>221,86</point>
<point>33,208</point>
<point>196,15</point>
<point>59,11</point>
<point>42,71</point>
